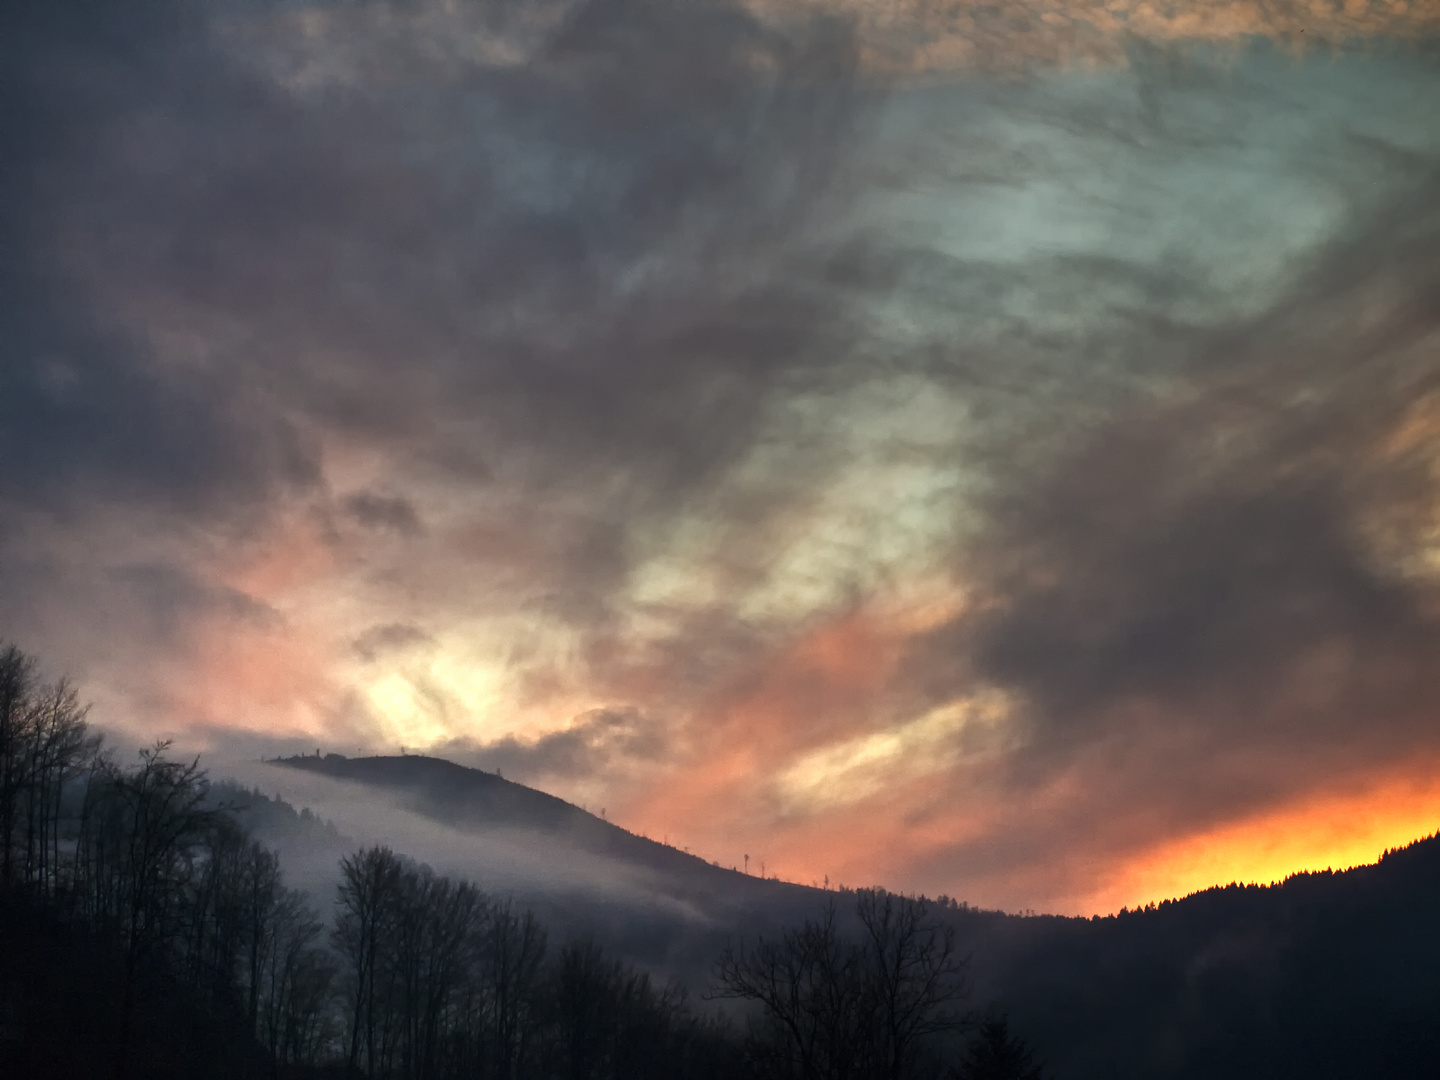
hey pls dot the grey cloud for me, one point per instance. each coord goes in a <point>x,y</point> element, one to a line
<point>1206,599</point>
<point>390,637</point>
<point>591,743</point>
<point>172,599</point>
<point>592,267</point>
<point>602,243</point>
<point>85,412</point>
<point>586,273</point>
<point>1203,535</point>
<point>378,511</point>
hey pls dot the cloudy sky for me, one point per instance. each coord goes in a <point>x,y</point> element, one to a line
<point>977,448</point>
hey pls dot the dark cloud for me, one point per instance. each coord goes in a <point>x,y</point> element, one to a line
<point>235,233</point>
<point>586,265</point>
<point>86,412</point>
<point>1207,600</point>
<point>172,600</point>
<point>378,511</point>
<point>594,741</point>
<point>391,637</point>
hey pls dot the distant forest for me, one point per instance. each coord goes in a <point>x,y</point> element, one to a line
<point>145,933</point>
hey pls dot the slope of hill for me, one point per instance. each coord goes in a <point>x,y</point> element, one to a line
<point>470,799</point>
<point>1322,975</point>
<point>656,905</point>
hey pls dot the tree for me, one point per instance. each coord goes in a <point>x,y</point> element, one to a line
<point>369,881</point>
<point>17,681</point>
<point>60,744</point>
<point>995,1054</point>
<point>142,831</point>
<point>810,991</point>
<point>511,957</point>
<point>584,991</point>
<point>915,976</point>
<point>833,1008</point>
<point>297,985</point>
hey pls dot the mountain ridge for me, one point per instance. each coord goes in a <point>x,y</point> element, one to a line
<point>472,800</point>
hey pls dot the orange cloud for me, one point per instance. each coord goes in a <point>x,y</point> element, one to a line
<point>825,684</point>
<point>936,35</point>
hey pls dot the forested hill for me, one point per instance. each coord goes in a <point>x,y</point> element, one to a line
<point>1330,974</point>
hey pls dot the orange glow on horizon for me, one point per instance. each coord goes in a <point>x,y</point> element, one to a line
<point>1332,831</point>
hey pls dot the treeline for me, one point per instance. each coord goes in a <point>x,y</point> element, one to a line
<point>416,976</point>
<point>442,980</point>
<point>167,884</point>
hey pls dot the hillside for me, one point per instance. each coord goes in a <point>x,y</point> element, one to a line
<point>1332,974</point>
<point>471,799</point>
<point>653,903</point>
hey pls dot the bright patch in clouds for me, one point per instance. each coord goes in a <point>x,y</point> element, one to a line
<point>860,768</point>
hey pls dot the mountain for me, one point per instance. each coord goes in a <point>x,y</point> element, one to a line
<point>477,801</point>
<point>654,904</point>
<point>1323,975</point>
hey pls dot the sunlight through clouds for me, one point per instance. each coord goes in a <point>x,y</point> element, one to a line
<point>854,771</point>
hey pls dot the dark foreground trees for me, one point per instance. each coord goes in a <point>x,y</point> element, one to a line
<point>177,911</point>
<point>879,1003</point>
<point>441,980</point>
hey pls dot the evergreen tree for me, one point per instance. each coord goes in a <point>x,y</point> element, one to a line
<point>996,1054</point>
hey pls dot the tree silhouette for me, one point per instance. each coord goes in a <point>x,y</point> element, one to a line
<point>996,1054</point>
<point>839,1008</point>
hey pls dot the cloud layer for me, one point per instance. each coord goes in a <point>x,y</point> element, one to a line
<point>991,482</point>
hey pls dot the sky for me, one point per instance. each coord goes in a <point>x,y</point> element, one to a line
<point>984,449</point>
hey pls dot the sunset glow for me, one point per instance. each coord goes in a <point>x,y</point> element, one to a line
<point>1332,832</point>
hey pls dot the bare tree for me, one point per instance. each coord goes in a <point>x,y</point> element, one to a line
<point>142,832</point>
<point>17,681</point>
<point>811,990</point>
<point>60,742</point>
<point>583,993</point>
<point>369,883</point>
<point>837,1008</point>
<point>914,974</point>
<point>297,985</point>
<point>512,952</point>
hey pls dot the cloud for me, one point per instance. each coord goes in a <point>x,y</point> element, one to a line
<point>943,35</point>
<point>967,482</point>
<point>383,512</point>
<point>281,253</point>
<point>1197,563</point>
<point>595,741</point>
<point>389,637</point>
